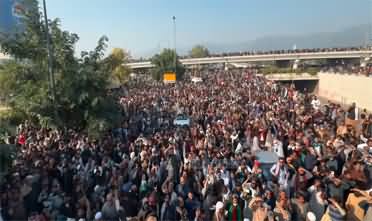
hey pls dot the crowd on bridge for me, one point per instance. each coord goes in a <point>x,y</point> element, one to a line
<point>354,69</point>
<point>269,52</point>
<point>288,51</point>
<point>254,150</point>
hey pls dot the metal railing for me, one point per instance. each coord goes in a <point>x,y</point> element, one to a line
<point>264,57</point>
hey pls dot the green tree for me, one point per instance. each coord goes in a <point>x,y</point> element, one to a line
<point>116,62</point>
<point>85,103</point>
<point>81,82</point>
<point>199,51</point>
<point>164,62</point>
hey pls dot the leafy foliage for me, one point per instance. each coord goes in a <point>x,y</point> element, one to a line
<point>164,62</point>
<point>85,99</point>
<point>81,83</point>
<point>116,64</point>
<point>199,51</point>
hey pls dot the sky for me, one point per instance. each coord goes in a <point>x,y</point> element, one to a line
<point>145,26</point>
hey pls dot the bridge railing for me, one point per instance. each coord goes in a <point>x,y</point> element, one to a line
<point>285,55</point>
<point>265,57</point>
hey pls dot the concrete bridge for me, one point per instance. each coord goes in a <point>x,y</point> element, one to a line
<point>362,54</point>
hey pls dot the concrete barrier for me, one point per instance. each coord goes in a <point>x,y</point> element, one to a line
<point>346,89</point>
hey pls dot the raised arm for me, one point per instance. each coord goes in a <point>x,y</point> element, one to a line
<point>339,208</point>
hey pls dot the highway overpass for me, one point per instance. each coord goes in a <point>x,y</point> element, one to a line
<point>362,54</point>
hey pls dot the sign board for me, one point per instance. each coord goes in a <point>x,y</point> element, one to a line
<point>12,15</point>
<point>169,77</point>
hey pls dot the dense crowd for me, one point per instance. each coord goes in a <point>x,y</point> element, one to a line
<point>254,150</point>
<point>355,69</point>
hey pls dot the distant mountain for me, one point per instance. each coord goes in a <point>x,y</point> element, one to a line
<point>353,36</point>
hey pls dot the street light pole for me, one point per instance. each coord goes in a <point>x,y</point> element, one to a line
<point>175,50</point>
<point>50,60</point>
<point>49,51</point>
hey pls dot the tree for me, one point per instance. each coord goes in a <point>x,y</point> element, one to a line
<point>82,101</point>
<point>199,51</point>
<point>116,62</point>
<point>164,62</point>
<point>85,103</point>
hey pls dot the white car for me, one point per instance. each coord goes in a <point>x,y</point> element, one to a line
<point>181,120</point>
<point>196,79</point>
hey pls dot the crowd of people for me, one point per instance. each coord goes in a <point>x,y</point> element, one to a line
<point>288,51</point>
<point>354,69</point>
<point>254,150</point>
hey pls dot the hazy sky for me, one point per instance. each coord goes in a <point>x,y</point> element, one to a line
<point>142,26</point>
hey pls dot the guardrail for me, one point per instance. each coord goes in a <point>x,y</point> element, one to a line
<point>310,55</point>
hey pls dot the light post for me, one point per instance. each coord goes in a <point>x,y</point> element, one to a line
<point>49,51</point>
<point>50,60</point>
<point>175,51</point>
